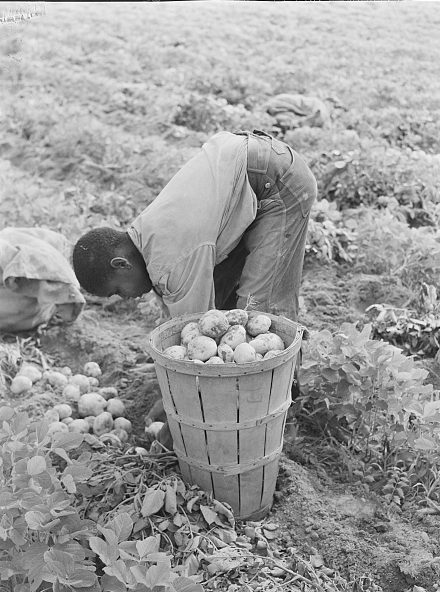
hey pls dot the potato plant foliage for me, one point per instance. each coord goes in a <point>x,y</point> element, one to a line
<point>47,543</point>
<point>374,392</point>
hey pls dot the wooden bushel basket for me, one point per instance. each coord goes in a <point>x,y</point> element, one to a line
<point>227,420</point>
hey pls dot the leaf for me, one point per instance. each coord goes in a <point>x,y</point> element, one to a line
<point>152,502</point>
<point>424,443</point>
<point>209,515</point>
<point>182,584</point>
<point>69,483</point>
<point>61,564</point>
<point>6,413</point>
<point>61,452</point>
<point>107,553</point>
<point>82,578</point>
<point>79,472</point>
<point>147,546</point>
<point>35,520</point>
<point>112,584</point>
<point>160,574</point>
<point>68,441</point>
<point>170,500</point>
<point>122,524</point>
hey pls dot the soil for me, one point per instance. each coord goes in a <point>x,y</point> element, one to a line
<point>320,512</point>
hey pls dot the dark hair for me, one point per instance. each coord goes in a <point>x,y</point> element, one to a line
<point>92,255</point>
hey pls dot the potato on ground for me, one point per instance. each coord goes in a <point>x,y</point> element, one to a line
<point>202,348</point>
<point>54,378</point>
<point>72,393</point>
<point>64,410</point>
<point>31,371</point>
<point>81,381</point>
<point>92,369</point>
<point>237,316</point>
<point>116,407</point>
<point>260,323</point>
<point>233,336</point>
<point>20,384</point>
<point>91,404</point>
<point>80,426</point>
<point>103,423</point>
<point>122,423</point>
<point>213,323</point>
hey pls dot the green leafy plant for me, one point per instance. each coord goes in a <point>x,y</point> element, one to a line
<point>370,396</point>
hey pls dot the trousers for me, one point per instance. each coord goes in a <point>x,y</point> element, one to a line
<point>265,268</point>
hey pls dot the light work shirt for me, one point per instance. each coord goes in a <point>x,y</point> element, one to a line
<point>195,222</point>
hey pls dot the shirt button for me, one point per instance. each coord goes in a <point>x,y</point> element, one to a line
<point>267,185</point>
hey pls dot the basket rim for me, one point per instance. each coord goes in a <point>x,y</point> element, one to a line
<point>228,368</point>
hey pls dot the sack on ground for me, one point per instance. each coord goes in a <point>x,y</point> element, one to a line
<point>37,282</point>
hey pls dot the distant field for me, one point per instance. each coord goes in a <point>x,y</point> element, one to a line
<point>102,102</point>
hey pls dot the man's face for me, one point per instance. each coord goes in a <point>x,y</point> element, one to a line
<point>128,282</point>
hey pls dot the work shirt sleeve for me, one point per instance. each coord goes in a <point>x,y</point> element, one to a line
<point>189,287</point>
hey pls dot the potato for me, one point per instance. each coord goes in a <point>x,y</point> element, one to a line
<point>92,369</point>
<point>154,428</point>
<point>90,420</point>
<point>52,416</point>
<point>121,423</point>
<point>177,352</point>
<point>258,324</point>
<point>66,371</point>
<point>225,352</point>
<point>108,392</point>
<point>116,407</point>
<point>103,423</point>
<point>202,348</point>
<point>213,323</point>
<point>273,340</point>
<point>67,420</point>
<point>259,345</point>
<point>80,425</point>
<point>81,381</point>
<point>233,336</point>
<point>272,353</point>
<point>72,393</point>
<point>20,384</point>
<point>244,353</point>
<point>189,331</point>
<point>57,426</point>
<point>215,360</point>
<point>140,450</point>
<point>56,379</point>
<point>91,404</point>
<point>110,439</point>
<point>237,316</point>
<point>93,382</point>
<point>121,434</point>
<point>31,371</point>
<point>64,410</point>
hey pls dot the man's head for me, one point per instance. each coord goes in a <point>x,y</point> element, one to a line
<point>106,262</point>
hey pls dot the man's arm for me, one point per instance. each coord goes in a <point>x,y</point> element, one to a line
<point>190,285</point>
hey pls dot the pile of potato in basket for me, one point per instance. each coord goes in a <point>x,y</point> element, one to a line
<point>233,336</point>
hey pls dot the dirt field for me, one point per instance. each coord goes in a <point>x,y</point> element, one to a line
<point>100,105</point>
